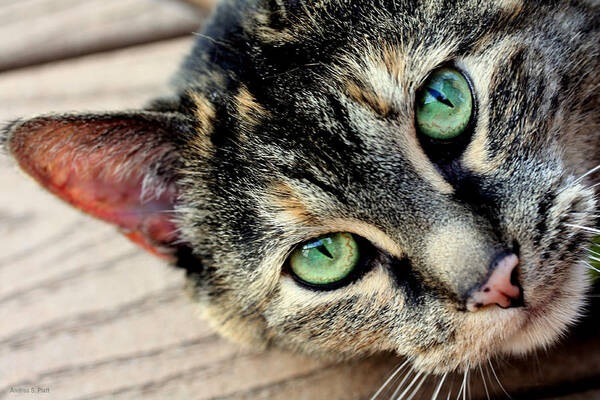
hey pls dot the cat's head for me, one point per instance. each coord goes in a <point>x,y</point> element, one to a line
<point>347,177</point>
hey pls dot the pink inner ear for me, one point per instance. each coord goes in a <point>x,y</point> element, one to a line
<point>99,167</point>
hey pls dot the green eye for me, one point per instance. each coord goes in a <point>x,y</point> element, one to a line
<point>444,104</point>
<point>325,260</point>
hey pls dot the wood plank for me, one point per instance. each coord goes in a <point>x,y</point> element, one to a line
<point>88,315</point>
<point>121,79</point>
<point>47,30</point>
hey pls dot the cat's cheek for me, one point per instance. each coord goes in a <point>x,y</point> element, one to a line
<point>555,283</point>
<point>344,323</point>
<point>249,332</point>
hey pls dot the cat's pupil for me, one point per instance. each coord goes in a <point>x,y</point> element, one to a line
<point>440,97</point>
<point>321,247</point>
<point>444,105</point>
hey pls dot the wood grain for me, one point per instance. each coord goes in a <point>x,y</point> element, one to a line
<point>120,79</point>
<point>87,315</point>
<point>46,30</point>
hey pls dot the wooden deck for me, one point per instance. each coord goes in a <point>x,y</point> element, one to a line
<point>84,314</point>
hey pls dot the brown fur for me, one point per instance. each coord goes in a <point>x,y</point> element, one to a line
<point>297,119</point>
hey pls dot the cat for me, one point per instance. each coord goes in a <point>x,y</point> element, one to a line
<point>347,177</point>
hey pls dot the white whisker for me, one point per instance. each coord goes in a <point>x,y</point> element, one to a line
<point>401,384</point>
<point>439,387</point>
<point>594,252</point>
<point>416,389</point>
<point>594,185</point>
<point>487,393</point>
<point>591,171</point>
<point>389,379</point>
<point>466,383</point>
<point>450,390</point>
<point>498,380</point>
<point>585,228</point>
<point>462,386</point>
<point>590,267</point>
<point>583,214</point>
<point>410,385</point>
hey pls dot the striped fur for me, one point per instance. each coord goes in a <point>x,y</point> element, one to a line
<point>299,120</point>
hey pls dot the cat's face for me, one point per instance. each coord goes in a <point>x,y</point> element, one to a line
<point>321,138</point>
<point>299,119</point>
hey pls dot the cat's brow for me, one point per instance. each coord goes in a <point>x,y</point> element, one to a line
<point>293,209</point>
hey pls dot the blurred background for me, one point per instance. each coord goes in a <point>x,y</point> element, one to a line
<point>85,314</point>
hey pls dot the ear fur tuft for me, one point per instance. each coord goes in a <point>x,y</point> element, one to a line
<point>5,135</point>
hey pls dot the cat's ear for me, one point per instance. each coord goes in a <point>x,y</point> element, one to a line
<point>119,167</point>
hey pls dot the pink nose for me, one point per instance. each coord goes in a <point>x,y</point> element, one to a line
<point>500,288</point>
